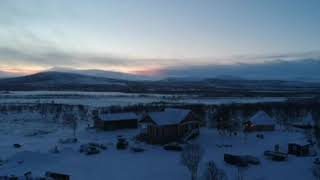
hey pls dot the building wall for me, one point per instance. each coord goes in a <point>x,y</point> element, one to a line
<point>114,125</point>
<point>265,128</point>
<point>261,128</point>
<point>162,134</point>
<point>298,150</point>
<point>170,133</point>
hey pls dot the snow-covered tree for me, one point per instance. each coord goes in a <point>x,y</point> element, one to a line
<point>71,119</point>
<point>191,157</point>
<point>83,113</point>
<point>212,172</point>
<point>316,171</point>
<point>210,118</point>
<point>240,175</point>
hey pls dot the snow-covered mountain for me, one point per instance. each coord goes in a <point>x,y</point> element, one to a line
<point>220,87</point>
<point>295,70</point>
<point>299,70</point>
<point>102,73</point>
<point>60,81</point>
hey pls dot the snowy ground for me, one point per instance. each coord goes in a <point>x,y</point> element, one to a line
<point>38,135</point>
<point>98,99</point>
<point>155,163</point>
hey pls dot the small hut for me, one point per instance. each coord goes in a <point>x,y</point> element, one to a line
<point>261,121</point>
<point>306,123</point>
<point>299,149</point>
<point>116,121</point>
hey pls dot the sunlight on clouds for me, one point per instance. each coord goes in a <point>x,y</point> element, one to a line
<point>22,70</point>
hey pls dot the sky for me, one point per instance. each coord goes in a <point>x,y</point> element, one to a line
<point>148,35</point>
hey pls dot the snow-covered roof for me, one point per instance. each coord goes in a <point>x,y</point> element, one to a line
<point>118,116</point>
<point>261,118</point>
<point>169,116</point>
<point>299,141</point>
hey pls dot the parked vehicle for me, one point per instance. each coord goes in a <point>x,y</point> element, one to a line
<point>57,176</point>
<point>122,143</point>
<point>92,148</point>
<point>137,149</point>
<point>316,161</point>
<point>17,145</point>
<point>100,146</point>
<point>236,160</point>
<point>276,156</point>
<point>68,140</point>
<point>92,151</point>
<point>252,160</point>
<point>172,147</point>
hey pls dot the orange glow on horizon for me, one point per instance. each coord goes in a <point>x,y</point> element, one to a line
<point>131,70</point>
<point>21,71</point>
<point>149,72</point>
<point>136,71</point>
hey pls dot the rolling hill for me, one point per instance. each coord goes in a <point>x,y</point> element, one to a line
<point>62,81</point>
<point>59,81</point>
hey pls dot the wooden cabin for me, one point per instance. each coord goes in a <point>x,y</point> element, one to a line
<point>306,123</point>
<point>261,121</point>
<point>299,149</point>
<point>116,121</point>
<point>170,125</point>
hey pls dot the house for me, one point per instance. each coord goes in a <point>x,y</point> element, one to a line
<point>170,125</point>
<point>299,149</point>
<point>261,121</point>
<point>116,121</point>
<point>306,123</point>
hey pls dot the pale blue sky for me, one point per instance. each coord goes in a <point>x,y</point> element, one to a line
<point>135,34</point>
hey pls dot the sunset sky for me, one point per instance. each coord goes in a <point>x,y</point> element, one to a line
<point>147,35</point>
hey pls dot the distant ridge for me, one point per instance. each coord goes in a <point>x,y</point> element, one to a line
<point>102,73</point>
<point>59,80</point>
<point>306,70</point>
<point>63,81</point>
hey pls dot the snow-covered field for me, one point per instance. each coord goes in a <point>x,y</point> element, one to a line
<point>102,99</point>
<point>155,163</point>
<point>38,135</point>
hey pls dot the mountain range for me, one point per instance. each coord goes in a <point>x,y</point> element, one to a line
<point>103,73</point>
<point>62,81</point>
<point>306,70</point>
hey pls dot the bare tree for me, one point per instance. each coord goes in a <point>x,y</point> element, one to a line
<point>240,174</point>
<point>212,172</point>
<point>83,113</point>
<point>71,119</point>
<point>316,171</point>
<point>191,157</point>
